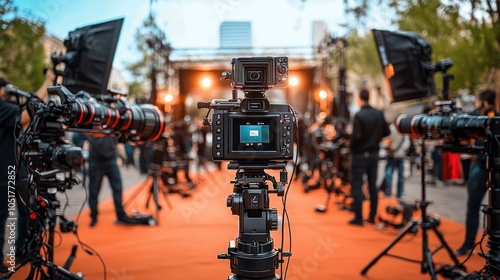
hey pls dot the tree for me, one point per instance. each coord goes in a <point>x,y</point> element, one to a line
<point>155,50</point>
<point>23,58</point>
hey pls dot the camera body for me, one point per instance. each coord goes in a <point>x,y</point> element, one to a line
<point>264,135</point>
<point>252,128</point>
<point>259,72</point>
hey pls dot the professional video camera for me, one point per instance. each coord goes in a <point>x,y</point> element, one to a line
<point>51,161</point>
<point>252,128</point>
<point>412,77</point>
<point>254,135</point>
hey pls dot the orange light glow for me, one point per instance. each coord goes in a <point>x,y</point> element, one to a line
<point>294,81</point>
<point>206,82</point>
<point>323,94</point>
<point>169,98</point>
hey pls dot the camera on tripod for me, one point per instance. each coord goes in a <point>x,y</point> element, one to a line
<point>253,128</point>
<point>254,135</point>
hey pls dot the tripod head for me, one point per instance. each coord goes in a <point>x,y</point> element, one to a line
<point>252,254</point>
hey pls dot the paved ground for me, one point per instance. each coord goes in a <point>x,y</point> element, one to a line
<point>447,200</point>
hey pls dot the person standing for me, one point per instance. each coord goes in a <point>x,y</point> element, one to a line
<point>397,147</point>
<point>9,130</point>
<point>476,186</point>
<point>102,162</point>
<point>369,127</point>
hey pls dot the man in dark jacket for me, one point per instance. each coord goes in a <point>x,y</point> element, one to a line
<point>102,162</point>
<point>368,129</point>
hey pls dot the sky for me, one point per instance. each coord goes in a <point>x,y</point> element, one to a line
<point>195,23</point>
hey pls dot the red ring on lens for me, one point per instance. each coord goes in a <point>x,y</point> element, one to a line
<point>412,127</point>
<point>162,124</point>
<point>127,125</point>
<point>92,114</point>
<point>109,117</point>
<point>117,117</point>
<point>80,118</point>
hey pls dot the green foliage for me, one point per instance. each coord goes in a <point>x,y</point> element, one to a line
<point>22,59</point>
<point>362,55</point>
<point>152,45</point>
<point>467,32</point>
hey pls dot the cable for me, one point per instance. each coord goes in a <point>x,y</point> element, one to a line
<point>285,212</point>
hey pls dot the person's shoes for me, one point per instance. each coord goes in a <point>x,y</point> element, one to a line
<point>356,222</point>
<point>125,220</point>
<point>464,250</point>
<point>370,221</point>
<point>93,222</point>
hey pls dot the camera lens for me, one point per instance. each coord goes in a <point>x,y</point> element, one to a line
<point>95,114</point>
<point>255,75</point>
<point>145,121</point>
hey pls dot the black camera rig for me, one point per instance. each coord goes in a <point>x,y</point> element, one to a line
<point>453,127</point>
<point>254,135</point>
<point>50,161</point>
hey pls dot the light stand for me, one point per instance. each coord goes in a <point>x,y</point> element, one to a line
<point>426,223</point>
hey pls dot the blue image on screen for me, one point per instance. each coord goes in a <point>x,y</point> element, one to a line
<point>254,133</point>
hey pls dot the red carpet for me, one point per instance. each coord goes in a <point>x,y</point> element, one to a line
<point>185,243</point>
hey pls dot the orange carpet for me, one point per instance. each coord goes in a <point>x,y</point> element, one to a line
<point>185,243</point>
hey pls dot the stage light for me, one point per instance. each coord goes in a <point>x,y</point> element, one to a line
<point>323,94</point>
<point>294,81</point>
<point>168,98</point>
<point>206,82</point>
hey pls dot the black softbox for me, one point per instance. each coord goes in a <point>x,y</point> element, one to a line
<point>89,56</point>
<point>406,64</point>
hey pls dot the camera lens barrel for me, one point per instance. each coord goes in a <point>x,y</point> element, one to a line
<point>141,122</point>
<point>453,127</point>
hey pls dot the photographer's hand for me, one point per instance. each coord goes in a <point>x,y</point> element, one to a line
<point>41,93</point>
<point>49,79</point>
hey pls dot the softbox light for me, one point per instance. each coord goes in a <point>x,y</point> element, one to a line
<point>406,64</point>
<point>89,56</point>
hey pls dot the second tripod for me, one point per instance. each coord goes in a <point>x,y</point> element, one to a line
<point>426,223</point>
<point>151,182</point>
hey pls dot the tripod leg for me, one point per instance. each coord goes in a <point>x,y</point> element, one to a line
<point>427,263</point>
<point>136,192</point>
<point>446,246</point>
<point>154,190</point>
<point>408,229</point>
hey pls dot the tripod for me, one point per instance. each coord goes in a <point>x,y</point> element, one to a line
<point>153,173</point>
<point>331,176</point>
<point>252,254</point>
<point>426,223</point>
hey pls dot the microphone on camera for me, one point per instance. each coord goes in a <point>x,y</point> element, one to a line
<point>12,90</point>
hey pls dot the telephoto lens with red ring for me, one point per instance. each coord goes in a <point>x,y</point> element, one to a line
<point>143,122</point>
